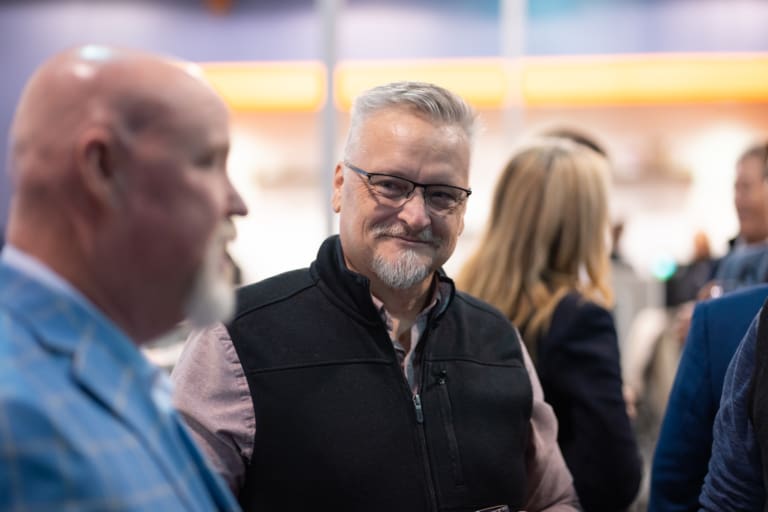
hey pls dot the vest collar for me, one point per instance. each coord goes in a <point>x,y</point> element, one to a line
<point>353,290</point>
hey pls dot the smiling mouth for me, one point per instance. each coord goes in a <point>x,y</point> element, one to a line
<point>412,241</point>
<point>424,238</point>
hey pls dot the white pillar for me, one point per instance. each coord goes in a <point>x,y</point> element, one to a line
<point>512,49</point>
<point>328,11</point>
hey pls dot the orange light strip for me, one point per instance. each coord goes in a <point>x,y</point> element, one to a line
<point>269,86</point>
<point>495,82</point>
<point>644,79</point>
<point>482,82</point>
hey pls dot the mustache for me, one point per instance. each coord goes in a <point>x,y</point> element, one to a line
<point>225,232</point>
<point>398,230</point>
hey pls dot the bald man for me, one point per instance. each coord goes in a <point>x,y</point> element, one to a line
<point>117,230</point>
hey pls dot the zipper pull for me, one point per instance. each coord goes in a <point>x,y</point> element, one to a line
<point>417,405</point>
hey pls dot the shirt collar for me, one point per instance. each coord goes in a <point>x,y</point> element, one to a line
<point>35,269</point>
<point>439,291</point>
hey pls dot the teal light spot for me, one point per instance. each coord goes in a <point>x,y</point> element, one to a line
<point>663,268</point>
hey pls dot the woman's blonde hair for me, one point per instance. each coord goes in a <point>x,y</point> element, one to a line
<point>547,235</point>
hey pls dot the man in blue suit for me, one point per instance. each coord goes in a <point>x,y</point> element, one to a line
<point>117,230</point>
<point>685,441</point>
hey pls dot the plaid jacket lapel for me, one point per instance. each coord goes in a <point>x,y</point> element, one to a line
<point>105,363</point>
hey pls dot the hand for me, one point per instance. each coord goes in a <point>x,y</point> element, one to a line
<point>681,323</point>
<point>630,399</point>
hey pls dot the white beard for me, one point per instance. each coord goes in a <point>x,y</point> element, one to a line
<point>406,271</point>
<point>213,294</point>
<point>408,268</point>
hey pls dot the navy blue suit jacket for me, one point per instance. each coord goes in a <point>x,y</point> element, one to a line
<point>685,442</point>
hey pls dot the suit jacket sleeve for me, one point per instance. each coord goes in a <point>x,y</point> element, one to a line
<point>581,375</point>
<point>685,441</point>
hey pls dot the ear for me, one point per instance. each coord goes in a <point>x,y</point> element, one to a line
<point>95,162</point>
<point>338,181</point>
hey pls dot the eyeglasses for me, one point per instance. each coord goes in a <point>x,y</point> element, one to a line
<point>396,191</point>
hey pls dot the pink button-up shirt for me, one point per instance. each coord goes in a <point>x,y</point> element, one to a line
<point>409,360</point>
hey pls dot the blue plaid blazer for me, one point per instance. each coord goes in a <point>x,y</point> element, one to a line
<point>83,425</point>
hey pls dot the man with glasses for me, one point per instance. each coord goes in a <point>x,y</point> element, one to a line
<point>367,382</point>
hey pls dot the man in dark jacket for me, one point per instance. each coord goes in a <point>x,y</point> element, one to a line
<point>367,382</point>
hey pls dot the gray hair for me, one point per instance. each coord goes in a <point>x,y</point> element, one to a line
<point>437,104</point>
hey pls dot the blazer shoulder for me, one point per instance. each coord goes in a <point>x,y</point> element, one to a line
<point>732,301</point>
<point>730,314</point>
<point>577,318</point>
<point>576,309</point>
<point>27,366</point>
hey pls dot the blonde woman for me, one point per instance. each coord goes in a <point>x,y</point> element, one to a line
<point>544,262</point>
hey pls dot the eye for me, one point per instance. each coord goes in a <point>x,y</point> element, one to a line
<point>390,186</point>
<point>211,156</point>
<point>206,159</point>
<point>444,197</point>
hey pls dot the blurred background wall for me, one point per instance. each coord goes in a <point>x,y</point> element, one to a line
<point>669,87</point>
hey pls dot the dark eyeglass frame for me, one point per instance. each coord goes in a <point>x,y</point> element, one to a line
<point>414,185</point>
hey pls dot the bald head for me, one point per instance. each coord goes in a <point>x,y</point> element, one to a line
<point>115,153</point>
<point>120,91</point>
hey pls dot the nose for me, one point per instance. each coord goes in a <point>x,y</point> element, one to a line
<point>414,211</point>
<point>235,203</point>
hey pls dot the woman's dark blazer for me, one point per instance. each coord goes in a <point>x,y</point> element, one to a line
<point>578,364</point>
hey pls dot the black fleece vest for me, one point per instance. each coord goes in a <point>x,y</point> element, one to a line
<point>337,427</point>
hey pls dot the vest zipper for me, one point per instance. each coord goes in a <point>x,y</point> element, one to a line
<point>419,411</point>
<point>432,487</point>
<point>417,406</point>
<point>425,455</point>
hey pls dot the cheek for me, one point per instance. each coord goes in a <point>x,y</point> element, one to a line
<point>205,195</point>
<point>187,222</point>
<point>358,212</point>
<point>197,208</point>
<point>449,229</point>
<point>460,229</point>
